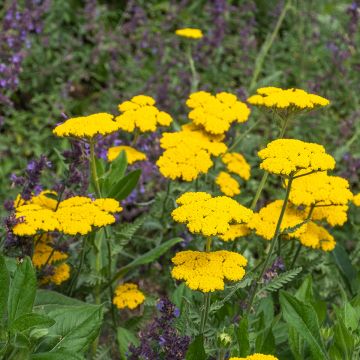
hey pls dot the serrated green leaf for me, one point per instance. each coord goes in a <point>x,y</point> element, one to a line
<point>49,297</point>
<point>279,281</point>
<point>32,320</point>
<point>125,338</point>
<point>196,349</point>
<point>125,186</point>
<point>4,287</point>
<point>242,335</point>
<point>296,344</point>
<point>343,341</point>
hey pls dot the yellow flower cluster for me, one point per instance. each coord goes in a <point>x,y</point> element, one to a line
<point>141,113</point>
<point>209,215</point>
<point>237,164</point>
<point>42,200</point>
<point>235,231</point>
<point>44,254</point>
<point>206,271</point>
<point>333,215</point>
<point>296,99</point>
<point>228,185</point>
<point>191,33</point>
<point>76,215</point>
<point>285,156</point>
<point>129,296</point>
<point>132,155</point>
<point>317,237</point>
<point>356,199</point>
<point>264,222</point>
<point>320,189</point>
<point>216,113</point>
<point>87,126</point>
<point>256,356</point>
<point>188,153</point>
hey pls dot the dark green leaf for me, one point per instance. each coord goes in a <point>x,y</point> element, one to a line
<point>125,338</point>
<point>125,186</point>
<point>57,355</point>
<point>196,349</point>
<point>32,320</point>
<point>4,287</point>
<point>22,290</point>
<point>296,344</point>
<point>242,335</point>
<point>343,341</point>
<point>349,315</point>
<point>118,168</point>
<point>48,297</point>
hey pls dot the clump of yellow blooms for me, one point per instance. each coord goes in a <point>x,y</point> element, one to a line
<point>44,254</point>
<point>317,237</point>
<point>264,222</point>
<point>237,164</point>
<point>280,99</point>
<point>191,33</point>
<point>129,296</point>
<point>87,127</point>
<point>320,189</point>
<point>228,185</point>
<point>188,153</point>
<point>256,356</point>
<point>286,156</point>
<point>141,113</point>
<point>235,231</point>
<point>76,215</point>
<point>209,215</point>
<point>41,199</point>
<point>132,155</point>
<point>356,199</point>
<point>206,271</point>
<point>333,215</point>
<point>216,113</point>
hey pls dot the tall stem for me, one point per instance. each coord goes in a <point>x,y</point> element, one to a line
<point>194,74</point>
<point>94,174</point>
<point>273,243</point>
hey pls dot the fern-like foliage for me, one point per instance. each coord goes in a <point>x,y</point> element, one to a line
<point>102,353</point>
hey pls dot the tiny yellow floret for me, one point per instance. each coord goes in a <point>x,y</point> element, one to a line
<point>191,33</point>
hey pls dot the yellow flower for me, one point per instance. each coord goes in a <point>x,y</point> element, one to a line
<point>234,232</point>
<point>256,356</point>
<point>289,99</point>
<point>320,189</point>
<point>206,271</point>
<point>333,215</point>
<point>317,237</point>
<point>141,113</point>
<point>237,164</point>
<point>264,222</point>
<point>132,155</point>
<point>356,199</point>
<point>129,296</point>
<point>61,274</point>
<point>188,153</point>
<point>42,200</point>
<point>87,127</point>
<point>209,215</point>
<point>216,113</point>
<point>228,185</point>
<point>284,156</point>
<point>191,33</point>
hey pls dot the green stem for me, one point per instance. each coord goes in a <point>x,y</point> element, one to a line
<point>94,174</point>
<point>168,185</point>
<point>272,244</point>
<point>111,290</point>
<point>194,74</point>
<point>242,136</point>
<point>82,258</point>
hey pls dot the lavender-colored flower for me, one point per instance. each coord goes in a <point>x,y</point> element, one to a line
<point>274,270</point>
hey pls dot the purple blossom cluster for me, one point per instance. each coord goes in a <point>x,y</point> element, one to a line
<point>17,24</point>
<point>277,267</point>
<point>160,339</point>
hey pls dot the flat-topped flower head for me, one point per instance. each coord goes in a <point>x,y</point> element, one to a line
<point>237,164</point>
<point>191,33</point>
<point>256,356</point>
<point>87,127</point>
<point>207,271</point>
<point>286,156</point>
<point>132,155</point>
<point>228,185</point>
<point>333,215</point>
<point>356,199</point>
<point>317,237</point>
<point>288,100</point>
<point>188,153</point>
<point>128,296</point>
<point>235,231</point>
<point>216,113</point>
<point>264,222</point>
<point>142,114</point>
<point>209,215</point>
<point>44,199</point>
<point>76,215</point>
<point>320,189</point>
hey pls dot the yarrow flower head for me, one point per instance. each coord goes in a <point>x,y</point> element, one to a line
<point>132,155</point>
<point>289,100</point>
<point>286,156</point>
<point>235,231</point>
<point>228,185</point>
<point>237,164</point>
<point>207,271</point>
<point>216,113</point>
<point>142,114</point>
<point>87,127</point>
<point>356,199</point>
<point>317,237</point>
<point>209,215</point>
<point>256,356</point>
<point>129,296</point>
<point>191,33</point>
<point>333,215</point>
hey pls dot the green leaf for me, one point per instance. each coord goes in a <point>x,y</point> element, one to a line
<point>196,349</point>
<point>265,342</point>
<point>349,315</point>
<point>343,341</point>
<point>118,168</point>
<point>284,278</point>
<point>57,355</point>
<point>125,338</point>
<point>242,335</point>
<point>4,287</point>
<point>22,290</point>
<point>125,186</point>
<point>49,297</point>
<point>302,317</point>
<point>296,344</point>
<point>32,320</point>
